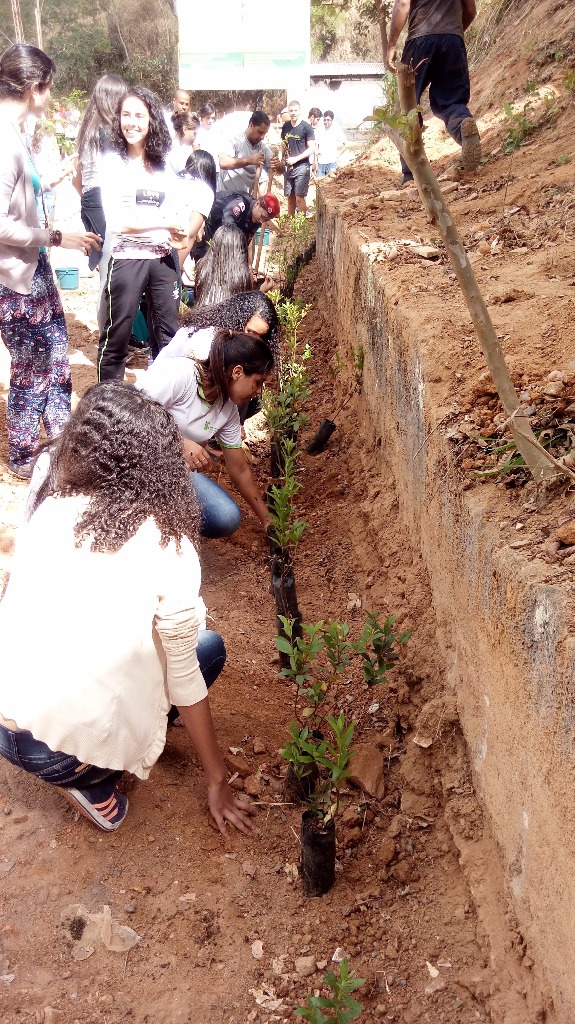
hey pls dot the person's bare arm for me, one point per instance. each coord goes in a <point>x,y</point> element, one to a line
<point>242,476</point>
<point>77,178</point>
<point>196,224</point>
<point>224,805</point>
<point>399,16</point>
<point>228,163</point>
<point>291,160</point>
<point>468,10</point>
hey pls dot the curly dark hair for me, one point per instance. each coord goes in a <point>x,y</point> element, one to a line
<point>124,452</point>
<point>234,313</point>
<point>158,141</point>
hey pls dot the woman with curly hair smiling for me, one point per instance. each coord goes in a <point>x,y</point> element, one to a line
<point>140,196</point>
<point>121,639</point>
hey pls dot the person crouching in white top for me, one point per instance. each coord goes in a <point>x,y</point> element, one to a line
<point>203,396</point>
<point>113,528</point>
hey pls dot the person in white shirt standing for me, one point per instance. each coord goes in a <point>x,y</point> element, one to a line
<point>330,144</point>
<point>140,197</point>
<point>208,135</point>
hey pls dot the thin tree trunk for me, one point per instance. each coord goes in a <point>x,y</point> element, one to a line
<point>17,19</point>
<point>38,18</point>
<point>382,19</point>
<point>412,149</point>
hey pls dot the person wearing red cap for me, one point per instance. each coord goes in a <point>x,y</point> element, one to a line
<point>237,209</point>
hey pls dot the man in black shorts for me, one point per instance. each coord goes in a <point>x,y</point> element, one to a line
<point>435,48</point>
<point>298,139</point>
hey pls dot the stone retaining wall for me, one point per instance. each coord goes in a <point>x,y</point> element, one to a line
<point>504,619</point>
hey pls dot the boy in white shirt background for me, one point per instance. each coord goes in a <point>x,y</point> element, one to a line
<point>330,144</point>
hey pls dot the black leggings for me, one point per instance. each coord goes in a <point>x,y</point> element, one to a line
<point>126,282</point>
<point>93,219</point>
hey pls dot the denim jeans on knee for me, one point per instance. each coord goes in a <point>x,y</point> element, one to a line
<point>53,766</point>
<point>211,655</point>
<point>220,515</point>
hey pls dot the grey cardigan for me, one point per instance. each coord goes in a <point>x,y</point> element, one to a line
<point>20,234</point>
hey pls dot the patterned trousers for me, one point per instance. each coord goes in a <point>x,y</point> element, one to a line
<point>34,332</point>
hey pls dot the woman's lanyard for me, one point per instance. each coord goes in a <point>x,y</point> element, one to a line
<point>35,169</point>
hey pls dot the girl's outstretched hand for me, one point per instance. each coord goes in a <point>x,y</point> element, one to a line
<point>226,806</point>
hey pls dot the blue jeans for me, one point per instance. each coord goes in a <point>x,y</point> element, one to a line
<point>323,169</point>
<point>441,62</point>
<point>220,514</point>
<point>60,769</point>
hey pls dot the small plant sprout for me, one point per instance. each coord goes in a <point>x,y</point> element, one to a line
<point>342,1006</point>
<point>376,648</point>
<point>286,529</point>
<point>284,408</point>
<point>518,126</point>
<point>291,313</point>
<point>328,759</point>
<point>293,238</point>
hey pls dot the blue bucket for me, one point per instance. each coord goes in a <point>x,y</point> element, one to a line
<point>68,277</point>
<point>266,236</point>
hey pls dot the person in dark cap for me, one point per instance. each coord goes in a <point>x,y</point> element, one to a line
<point>238,210</point>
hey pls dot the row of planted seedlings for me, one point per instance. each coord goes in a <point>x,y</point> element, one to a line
<point>286,418</point>
<point>294,246</point>
<point>330,672</point>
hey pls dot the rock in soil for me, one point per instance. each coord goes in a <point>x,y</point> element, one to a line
<point>252,786</point>
<point>385,851</point>
<point>305,966</point>
<point>237,763</point>
<point>367,769</point>
<point>566,533</point>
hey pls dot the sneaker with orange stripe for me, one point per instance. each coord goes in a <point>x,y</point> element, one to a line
<point>105,807</point>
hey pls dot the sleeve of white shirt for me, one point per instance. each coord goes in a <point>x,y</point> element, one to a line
<point>230,434</point>
<point>200,198</point>
<point>180,345</point>
<point>177,621</point>
<point>169,381</point>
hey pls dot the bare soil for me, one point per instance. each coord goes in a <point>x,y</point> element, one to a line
<point>418,904</point>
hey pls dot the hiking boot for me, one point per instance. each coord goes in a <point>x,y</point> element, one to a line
<point>104,806</point>
<point>470,145</point>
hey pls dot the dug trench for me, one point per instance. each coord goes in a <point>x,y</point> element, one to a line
<point>225,935</point>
